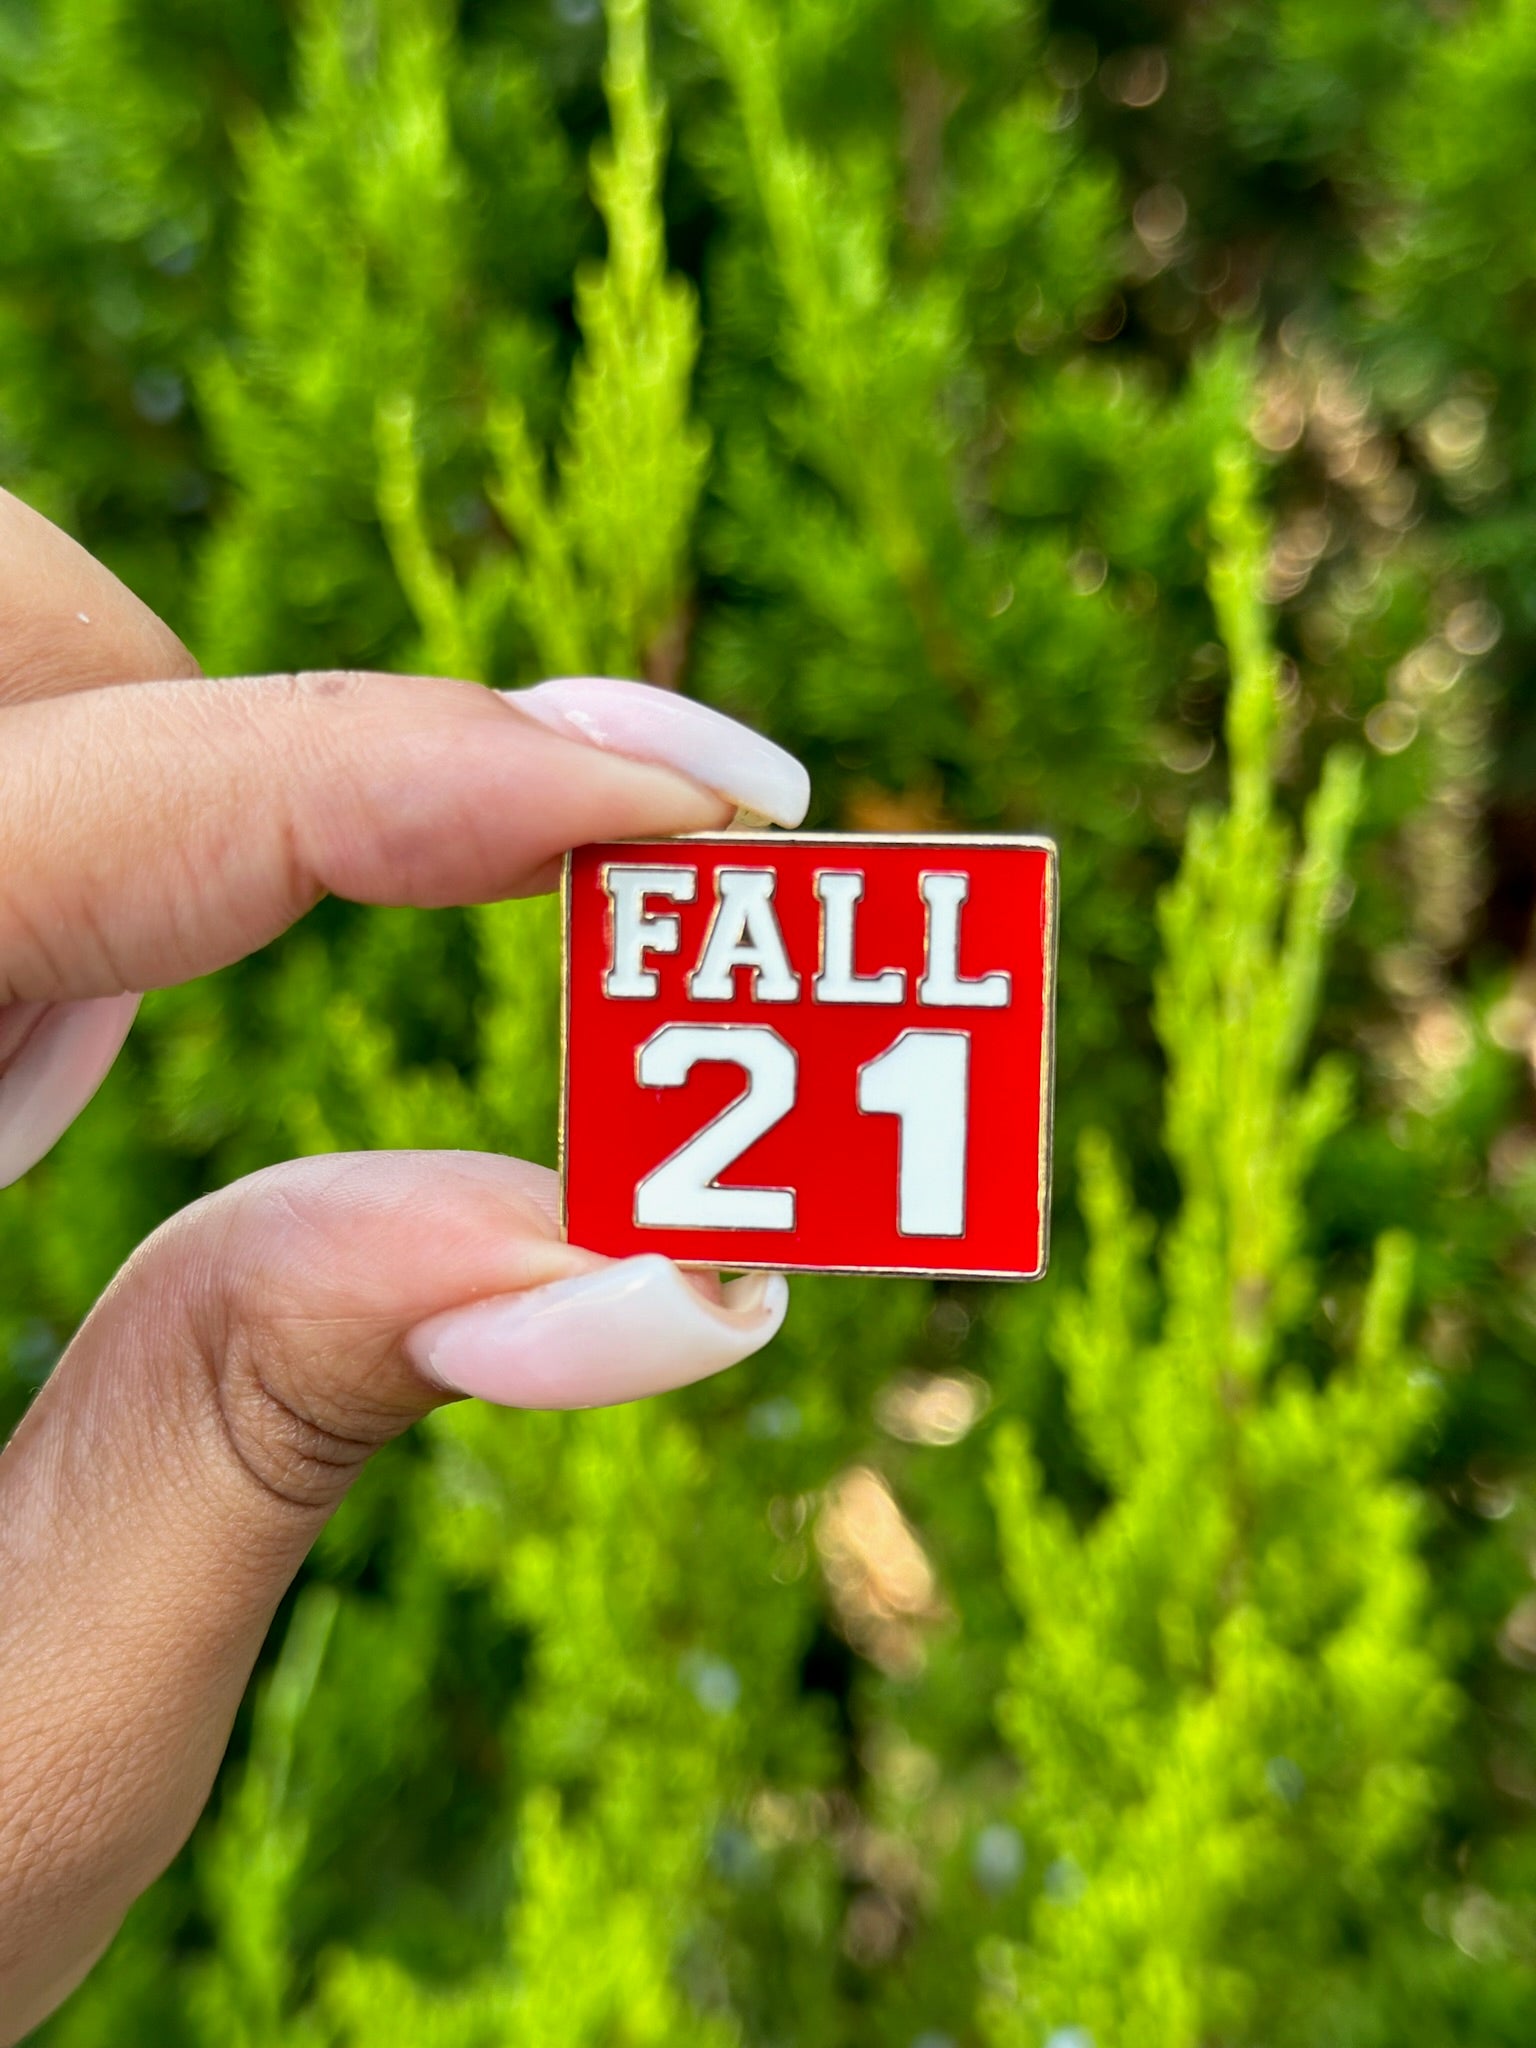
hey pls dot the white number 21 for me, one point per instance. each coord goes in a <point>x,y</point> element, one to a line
<point>922,1079</point>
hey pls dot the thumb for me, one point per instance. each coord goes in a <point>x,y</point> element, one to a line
<point>212,1412</point>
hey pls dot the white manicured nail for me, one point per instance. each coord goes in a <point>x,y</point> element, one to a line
<point>62,1063</point>
<point>648,724</point>
<point>633,1328</point>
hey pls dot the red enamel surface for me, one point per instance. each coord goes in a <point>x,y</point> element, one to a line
<point>841,1163</point>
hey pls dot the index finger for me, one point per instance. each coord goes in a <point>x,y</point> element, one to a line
<point>153,833</point>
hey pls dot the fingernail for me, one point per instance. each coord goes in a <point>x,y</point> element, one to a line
<point>633,1328</point>
<point>57,1071</point>
<point>649,724</point>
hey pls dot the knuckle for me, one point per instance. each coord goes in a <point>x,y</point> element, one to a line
<point>329,682</point>
<point>302,1447</point>
<point>287,1388</point>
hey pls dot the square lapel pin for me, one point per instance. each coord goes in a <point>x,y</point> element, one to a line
<point>814,1053</point>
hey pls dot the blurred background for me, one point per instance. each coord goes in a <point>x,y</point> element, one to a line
<point>947,387</point>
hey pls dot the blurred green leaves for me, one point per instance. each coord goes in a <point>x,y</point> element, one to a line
<point>1142,1658</point>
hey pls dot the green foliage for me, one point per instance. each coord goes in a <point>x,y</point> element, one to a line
<point>1225,1709</point>
<point>604,563</point>
<point>1136,1659</point>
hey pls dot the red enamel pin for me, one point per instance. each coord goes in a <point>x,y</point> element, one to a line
<point>825,1053</point>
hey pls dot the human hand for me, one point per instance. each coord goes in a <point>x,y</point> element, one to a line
<point>223,1394</point>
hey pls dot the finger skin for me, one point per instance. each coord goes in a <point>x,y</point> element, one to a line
<point>170,1478</point>
<point>155,832</point>
<point>66,623</point>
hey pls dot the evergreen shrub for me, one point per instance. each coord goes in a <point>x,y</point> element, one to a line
<point>1100,419</point>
